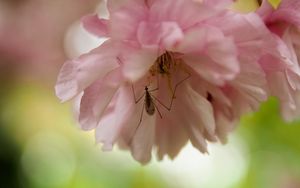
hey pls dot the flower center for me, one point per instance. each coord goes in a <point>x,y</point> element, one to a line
<point>163,64</point>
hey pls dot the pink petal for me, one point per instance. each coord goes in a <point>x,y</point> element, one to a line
<point>251,25</point>
<point>96,98</point>
<point>195,40</point>
<point>111,124</point>
<point>86,118</point>
<point>223,127</point>
<point>217,3</point>
<point>202,88</point>
<point>240,106</point>
<point>209,53</point>
<point>172,10</point>
<point>137,64</point>
<point>289,112</point>
<point>208,69</point>
<point>280,88</point>
<point>78,74</point>
<point>201,111</point>
<point>251,86</point>
<point>224,53</point>
<point>197,138</point>
<point>191,120</point>
<point>198,37</point>
<point>143,140</point>
<point>110,84</point>
<point>289,11</point>
<point>166,34</point>
<point>96,26</point>
<point>170,136</point>
<point>125,17</point>
<point>265,10</point>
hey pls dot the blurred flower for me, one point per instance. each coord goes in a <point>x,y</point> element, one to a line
<point>284,22</point>
<point>32,33</point>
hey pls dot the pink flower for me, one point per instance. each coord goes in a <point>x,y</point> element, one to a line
<point>284,22</point>
<point>164,77</point>
<point>32,33</point>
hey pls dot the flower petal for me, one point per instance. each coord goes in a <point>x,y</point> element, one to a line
<point>97,97</point>
<point>208,69</point>
<point>78,74</point>
<point>217,3</point>
<point>280,88</point>
<point>223,127</point>
<point>250,88</point>
<point>288,11</point>
<point>125,17</point>
<point>194,12</point>
<point>197,138</point>
<point>167,34</point>
<point>95,25</point>
<point>201,110</point>
<point>137,64</point>
<point>224,54</point>
<point>170,136</point>
<point>112,123</point>
<point>143,139</point>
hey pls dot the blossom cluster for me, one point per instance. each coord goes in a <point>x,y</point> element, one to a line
<point>173,71</point>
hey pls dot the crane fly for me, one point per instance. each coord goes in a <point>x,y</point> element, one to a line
<point>148,104</point>
<point>166,64</point>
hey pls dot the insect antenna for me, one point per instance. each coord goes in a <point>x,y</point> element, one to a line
<point>134,97</point>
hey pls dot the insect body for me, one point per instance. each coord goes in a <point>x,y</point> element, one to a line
<point>149,104</point>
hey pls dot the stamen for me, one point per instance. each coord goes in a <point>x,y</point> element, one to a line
<point>164,65</point>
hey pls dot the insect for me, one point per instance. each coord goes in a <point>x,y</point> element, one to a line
<point>148,104</point>
<point>165,65</point>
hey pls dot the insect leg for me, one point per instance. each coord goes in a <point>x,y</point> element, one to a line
<point>139,99</point>
<point>180,82</point>
<point>137,127</point>
<point>153,89</point>
<point>157,110</point>
<point>161,103</point>
<point>173,96</point>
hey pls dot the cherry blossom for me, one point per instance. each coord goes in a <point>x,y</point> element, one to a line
<point>164,78</point>
<point>284,23</point>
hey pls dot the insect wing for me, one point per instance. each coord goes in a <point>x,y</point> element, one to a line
<point>149,106</point>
